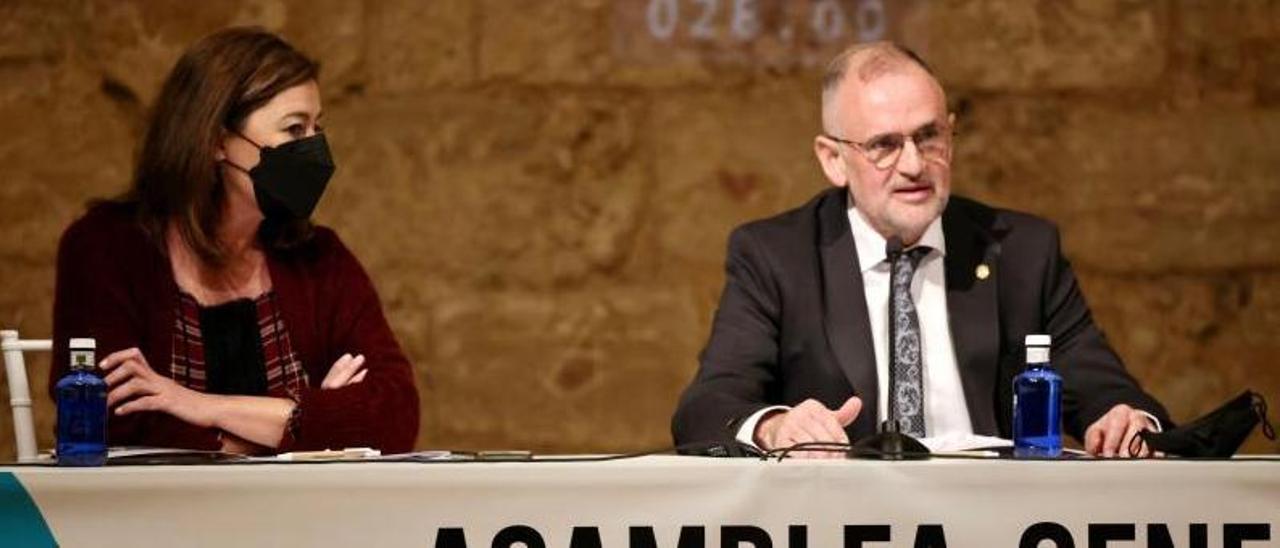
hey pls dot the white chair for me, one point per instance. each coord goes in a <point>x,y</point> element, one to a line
<point>15,369</point>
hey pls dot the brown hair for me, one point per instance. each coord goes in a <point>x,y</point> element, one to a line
<point>214,87</point>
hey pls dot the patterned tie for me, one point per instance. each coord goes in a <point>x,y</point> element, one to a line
<point>906,378</point>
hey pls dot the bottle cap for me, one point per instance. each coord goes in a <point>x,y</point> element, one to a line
<point>83,344</point>
<point>1039,340</point>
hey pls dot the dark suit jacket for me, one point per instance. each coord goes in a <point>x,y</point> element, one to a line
<point>793,324</point>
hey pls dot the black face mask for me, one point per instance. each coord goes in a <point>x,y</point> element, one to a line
<point>289,179</point>
<point>1218,434</point>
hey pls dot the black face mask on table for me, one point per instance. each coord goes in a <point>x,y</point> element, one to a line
<point>1218,434</point>
<point>290,178</point>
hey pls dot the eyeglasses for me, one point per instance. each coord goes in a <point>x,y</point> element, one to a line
<point>932,141</point>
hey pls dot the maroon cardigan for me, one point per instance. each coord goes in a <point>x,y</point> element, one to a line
<point>115,284</point>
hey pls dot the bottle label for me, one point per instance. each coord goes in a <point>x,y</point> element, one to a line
<point>82,359</point>
<point>1037,354</point>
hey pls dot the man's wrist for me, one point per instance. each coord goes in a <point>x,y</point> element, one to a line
<point>747,429</point>
<point>766,428</point>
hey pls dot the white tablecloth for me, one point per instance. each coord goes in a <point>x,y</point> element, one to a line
<point>815,504</point>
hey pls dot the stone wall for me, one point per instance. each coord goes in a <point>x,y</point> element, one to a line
<point>542,194</point>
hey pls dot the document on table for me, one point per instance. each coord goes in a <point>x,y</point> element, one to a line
<point>952,443</point>
<point>138,454</point>
<point>359,454</point>
<point>986,446</point>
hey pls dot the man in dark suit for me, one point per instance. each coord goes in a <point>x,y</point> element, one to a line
<point>798,349</point>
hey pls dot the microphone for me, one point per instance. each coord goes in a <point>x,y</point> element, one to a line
<point>890,443</point>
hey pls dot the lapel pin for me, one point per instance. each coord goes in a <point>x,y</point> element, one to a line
<point>982,272</point>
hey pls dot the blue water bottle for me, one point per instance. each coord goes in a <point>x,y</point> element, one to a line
<point>1037,404</point>
<point>82,410</point>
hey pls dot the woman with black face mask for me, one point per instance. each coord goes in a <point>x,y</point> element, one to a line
<point>225,319</point>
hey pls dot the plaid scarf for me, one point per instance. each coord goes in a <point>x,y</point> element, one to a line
<point>284,373</point>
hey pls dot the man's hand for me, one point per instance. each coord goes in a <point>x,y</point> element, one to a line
<point>808,422</point>
<point>1113,434</point>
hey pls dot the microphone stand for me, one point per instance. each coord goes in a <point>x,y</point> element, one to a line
<point>890,443</point>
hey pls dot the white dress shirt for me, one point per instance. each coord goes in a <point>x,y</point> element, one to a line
<point>946,413</point>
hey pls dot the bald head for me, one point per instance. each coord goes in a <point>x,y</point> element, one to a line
<point>862,63</point>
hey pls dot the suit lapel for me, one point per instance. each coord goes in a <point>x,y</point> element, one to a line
<point>973,312</point>
<point>845,315</point>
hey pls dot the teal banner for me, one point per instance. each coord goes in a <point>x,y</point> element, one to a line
<point>20,521</point>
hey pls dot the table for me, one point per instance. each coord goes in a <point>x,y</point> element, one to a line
<point>656,501</point>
